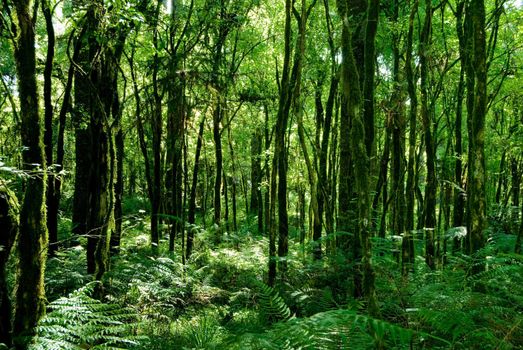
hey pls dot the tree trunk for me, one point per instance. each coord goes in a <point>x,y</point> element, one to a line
<point>256,151</point>
<point>516,188</point>
<point>429,210</point>
<point>408,242</point>
<point>357,144</point>
<point>398,138</point>
<point>157,130</point>
<point>459,195</point>
<point>476,199</point>
<point>256,207</point>
<point>82,88</point>
<point>54,201</point>
<point>381,186</point>
<point>192,198</point>
<point>52,205</point>
<point>519,239</point>
<point>176,137</point>
<point>233,181</point>
<point>32,239</point>
<point>298,110</point>
<point>217,116</point>
<point>9,223</point>
<point>278,183</point>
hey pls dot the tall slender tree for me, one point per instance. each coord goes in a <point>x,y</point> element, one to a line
<point>408,241</point>
<point>476,198</point>
<point>32,239</point>
<point>429,210</point>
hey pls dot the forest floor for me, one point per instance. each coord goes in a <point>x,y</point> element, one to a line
<point>219,299</point>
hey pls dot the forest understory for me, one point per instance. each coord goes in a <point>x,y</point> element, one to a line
<point>220,300</point>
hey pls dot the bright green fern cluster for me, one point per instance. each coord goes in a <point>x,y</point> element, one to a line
<point>81,322</point>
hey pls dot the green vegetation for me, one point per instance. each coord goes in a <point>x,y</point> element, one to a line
<point>218,300</point>
<point>255,174</point>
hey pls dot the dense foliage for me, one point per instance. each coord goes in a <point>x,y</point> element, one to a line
<point>248,174</point>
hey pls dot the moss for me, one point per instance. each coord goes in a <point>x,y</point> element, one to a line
<point>9,225</point>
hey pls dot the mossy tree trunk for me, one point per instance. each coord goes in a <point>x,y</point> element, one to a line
<point>119,145</point>
<point>81,121</point>
<point>398,135</point>
<point>359,142</point>
<point>476,199</point>
<point>33,240</point>
<point>102,107</point>
<point>299,55</point>
<point>9,224</point>
<point>324,186</point>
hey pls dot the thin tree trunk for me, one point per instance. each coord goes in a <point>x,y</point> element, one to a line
<point>52,209</point>
<point>233,180</point>
<point>192,198</point>
<point>476,199</point>
<point>298,110</point>
<point>408,242</point>
<point>157,130</point>
<point>459,194</point>
<point>429,210</point>
<point>219,167</point>
<point>278,182</point>
<point>256,202</point>
<point>398,138</point>
<point>519,239</point>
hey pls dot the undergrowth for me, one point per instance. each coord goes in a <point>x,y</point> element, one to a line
<point>219,300</point>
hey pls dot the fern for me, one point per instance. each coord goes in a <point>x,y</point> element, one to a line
<point>82,322</point>
<point>313,300</point>
<point>272,306</point>
<point>335,329</point>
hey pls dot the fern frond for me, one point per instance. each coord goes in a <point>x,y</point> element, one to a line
<point>80,321</point>
<point>272,306</point>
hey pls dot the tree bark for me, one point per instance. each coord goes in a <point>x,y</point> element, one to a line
<point>429,210</point>
<point>157,130</point>
<point>363,273</point>
<point>32,239</point>
<point>459,195</point>
<point>9,223</point>
<point>52,205</point>
<point>408,242</point>
<point>192,198</point>
<point>278,182</point>
<point>398,137</point>
<point>476,198</point>
<point>256,202</point>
